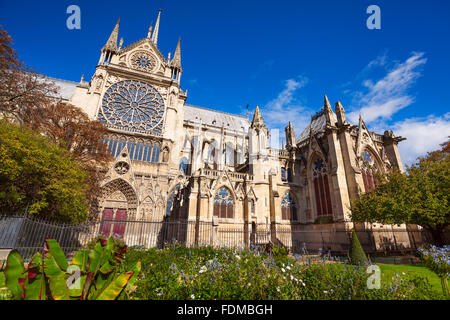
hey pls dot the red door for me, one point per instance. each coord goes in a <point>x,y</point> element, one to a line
<point>107,218</point>
<point>119,223</point>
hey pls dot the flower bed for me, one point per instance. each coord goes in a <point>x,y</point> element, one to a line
<point>207,273</point>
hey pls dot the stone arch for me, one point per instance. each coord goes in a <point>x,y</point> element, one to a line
<point>112,191</point>
<point>375,154</point>
<point>221,203</point>
<point>290,208</point>
<point>320,186</point>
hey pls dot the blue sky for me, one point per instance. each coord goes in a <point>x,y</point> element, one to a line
<point>283,56</point>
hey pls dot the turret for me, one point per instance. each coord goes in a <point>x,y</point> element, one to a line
<point>290,136</point>
<point>110,48</point>
<point>175,64</point>
<point>340,114</point>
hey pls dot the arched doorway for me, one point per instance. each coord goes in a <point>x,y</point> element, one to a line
<point>118,202</point>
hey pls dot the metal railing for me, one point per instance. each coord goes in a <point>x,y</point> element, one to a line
<point>27,235</point>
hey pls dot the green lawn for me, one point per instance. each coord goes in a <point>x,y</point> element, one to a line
<point>389,270</point>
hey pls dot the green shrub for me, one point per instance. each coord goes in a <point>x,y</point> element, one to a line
<point>357,254</point>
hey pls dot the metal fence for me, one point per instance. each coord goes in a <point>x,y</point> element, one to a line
<point>27,235</point>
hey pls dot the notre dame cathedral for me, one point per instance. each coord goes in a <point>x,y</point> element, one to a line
<point>178,161</point>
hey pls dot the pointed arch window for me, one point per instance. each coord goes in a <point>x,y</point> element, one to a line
<point>229,155</point>
<point>321,188</point>
<point>184,165</point>
<point>288,208</point>
<point>368,170</point>
<point>252,206</point>
<point>172,207</point>
<point>223,204</point>
<point>212,150</point>
<point>283,174</point>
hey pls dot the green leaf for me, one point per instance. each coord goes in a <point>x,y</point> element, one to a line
<point>114,288</point>
<point>95,257</point>
<point>80,259</point>
<point>52,246</point>
<point>14,273</point>
<point>56,277</point>
<point>131,287</point>
<point>35,287</point>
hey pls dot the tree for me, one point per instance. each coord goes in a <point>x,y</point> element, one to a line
<point>23,92</point>
<point>71,128</point>
<point>421,196</point>
<point>28,98</point>
<point>41,176</point>
<point>357,254</point>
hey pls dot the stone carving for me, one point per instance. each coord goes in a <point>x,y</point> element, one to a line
<point>122,167</point>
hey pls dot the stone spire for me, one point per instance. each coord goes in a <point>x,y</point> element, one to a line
<point>257,119</point>
<point>328,111</point>
<point>326,104</point>
<point>340,114</point>
<point>156,30</point>
<point>176,60</point>
<point>290,135</point>
<point>149,33</point>
<point>111,44</point>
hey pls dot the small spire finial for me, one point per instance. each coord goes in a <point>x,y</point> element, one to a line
<point>111,44</point>
<point>156,30</point>
<point>149,33</point>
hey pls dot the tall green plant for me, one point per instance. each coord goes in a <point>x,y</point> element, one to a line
<point>357,254</point>
<point>96,274</point>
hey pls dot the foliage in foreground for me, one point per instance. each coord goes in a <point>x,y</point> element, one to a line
<point>438,260</point>
<point>421,197</point>
<point>207,273</point>
<point>96,274</point>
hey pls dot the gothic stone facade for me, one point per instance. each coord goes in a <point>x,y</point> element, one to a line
<point>182,162</point>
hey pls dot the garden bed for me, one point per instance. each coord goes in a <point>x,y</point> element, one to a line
<point>207,273</point>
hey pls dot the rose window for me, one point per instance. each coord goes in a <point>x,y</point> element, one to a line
<point>133,106</point>
<point>143,61</point>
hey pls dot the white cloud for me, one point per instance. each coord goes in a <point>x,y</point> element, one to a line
<point>388,95</point>
<point>285,107</point>
<point>423,135</point>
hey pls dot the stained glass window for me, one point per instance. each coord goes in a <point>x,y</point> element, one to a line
<point>184,165</point>
<point>368,169</point>
<point>288,208</point>
<point>223,204</point>
<point>321,188</point>
<point>133,106</point>
<point>171,202</point>
<point>283,174</point>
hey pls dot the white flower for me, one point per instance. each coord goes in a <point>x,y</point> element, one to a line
<point>282,269</point>
<point>292,277</point>
<point>289,268</point>
<point>278,289</point>
<point>325,291</point>
<point>202,269</point>
<point>192,296</point>
<point>237,257</point>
